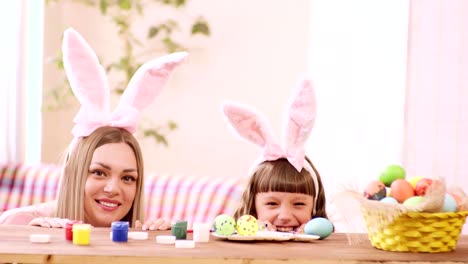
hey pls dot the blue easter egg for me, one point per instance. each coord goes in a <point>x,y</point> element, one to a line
<point>319,226</point>
<point>389,200</point>
<point>450,205</point>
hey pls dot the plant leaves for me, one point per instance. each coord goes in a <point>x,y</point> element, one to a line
<point>125,4</point>
<point>200,27</point>
<point>172,125</point>
<point>103,4</point>
<point>152,32</point>
<point>159,138</point>
<point>170,45</point>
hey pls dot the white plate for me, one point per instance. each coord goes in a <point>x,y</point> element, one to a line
<point>269,236</point>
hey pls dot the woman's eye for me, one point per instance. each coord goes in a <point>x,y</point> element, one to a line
<point>98,172</point>
<point>299,204</point>
<point>129,178</point>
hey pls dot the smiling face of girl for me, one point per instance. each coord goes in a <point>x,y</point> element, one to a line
<point>287,211</point>
<point>111,184</point>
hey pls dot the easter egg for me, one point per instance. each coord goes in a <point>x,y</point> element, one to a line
<point>392,173</point>
<point>422,185</point>
<point>401,190</point>
<point>389,200</point>
<point>460,205</point>
<point>247,225</point>
<point>413,201</point>
<point>375,190</point>
<point>450,205</point>
<point>413,180</point>
<point>224,225</point>
<point>389,193</point>
<point>319,226</point>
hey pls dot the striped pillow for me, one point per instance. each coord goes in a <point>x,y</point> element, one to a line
<point>22,185</point>
<point>171,196</point>
<point>190,198</point>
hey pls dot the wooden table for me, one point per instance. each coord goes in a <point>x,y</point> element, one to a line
<point>15,247</point>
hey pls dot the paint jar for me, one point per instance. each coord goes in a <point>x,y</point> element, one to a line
<point>179,230</point>
<point>201,232</point>
<point>81,234</point>
<point>119,231</point>
<point>68,229</point>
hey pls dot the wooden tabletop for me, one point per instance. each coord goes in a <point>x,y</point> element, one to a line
<point>16,247</point>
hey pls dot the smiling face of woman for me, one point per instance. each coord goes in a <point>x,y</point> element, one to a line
<point>111,184</point>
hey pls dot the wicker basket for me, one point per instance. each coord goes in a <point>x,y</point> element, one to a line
<point>415,232</point>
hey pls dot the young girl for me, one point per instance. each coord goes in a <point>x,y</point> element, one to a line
<point>284,190</point>
<point>102,178</point>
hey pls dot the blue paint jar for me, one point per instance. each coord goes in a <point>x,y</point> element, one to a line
<point>119,231</point>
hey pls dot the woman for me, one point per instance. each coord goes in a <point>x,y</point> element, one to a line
<point>102,178</point>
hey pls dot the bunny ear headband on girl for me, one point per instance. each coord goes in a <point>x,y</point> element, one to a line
<point>300,118</point>
<point>89,83</point>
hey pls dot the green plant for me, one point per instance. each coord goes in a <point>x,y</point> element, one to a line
<point>123,14</point>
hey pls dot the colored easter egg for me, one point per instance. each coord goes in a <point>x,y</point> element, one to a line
<point>389,200</point>
<point>422,185</point>
<point>319,226</point>
<point>224,225</point>
<point>389,191</point>
<point>401,190</point>
<point>460,205</point>
<point>413,201</point>
<point>375,190</point>
<point>392,173</point>
<point>450,205</point>
<point>413,180</point>
<point>247,225</point>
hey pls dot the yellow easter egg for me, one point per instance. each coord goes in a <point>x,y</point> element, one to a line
<point>247,225</point>
<point>413,180</point>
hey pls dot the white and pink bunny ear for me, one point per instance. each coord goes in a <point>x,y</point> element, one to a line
<point>300,121</point>
<point>87,77</point>
<point>252,127</point>
<point>143,88</point>
<point>88,81</point>
<point>89,84</point>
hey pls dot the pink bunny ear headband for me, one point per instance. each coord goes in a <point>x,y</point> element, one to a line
<point>252,127</point>
<point>89,83</point>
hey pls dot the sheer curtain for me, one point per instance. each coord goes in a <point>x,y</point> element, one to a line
<point>358,65</point>
<point>20,81</point>
<point>436,131</point>
<point>10,16</point>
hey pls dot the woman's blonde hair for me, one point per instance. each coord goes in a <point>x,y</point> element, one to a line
<point>70,197</point>
<point>281,176</point>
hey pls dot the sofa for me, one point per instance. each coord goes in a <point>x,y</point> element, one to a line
<point>171,196</point>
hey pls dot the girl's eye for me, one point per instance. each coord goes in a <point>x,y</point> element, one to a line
<point>271,203</point>
<point>129,178</point>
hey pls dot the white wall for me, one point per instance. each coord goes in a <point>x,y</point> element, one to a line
<point>255,54</point>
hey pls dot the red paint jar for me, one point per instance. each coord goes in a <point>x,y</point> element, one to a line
<point>69,229</point>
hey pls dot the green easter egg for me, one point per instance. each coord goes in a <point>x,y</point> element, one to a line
<point>392,173</point>
<point>413,201</point>
<point>224,225</point>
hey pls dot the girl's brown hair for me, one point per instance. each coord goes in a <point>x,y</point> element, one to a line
<point>70,195</point>
<point>281,176</point>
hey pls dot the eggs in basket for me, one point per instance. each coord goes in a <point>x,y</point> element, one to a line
<point>417,214</point>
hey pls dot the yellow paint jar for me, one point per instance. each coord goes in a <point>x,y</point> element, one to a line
<point>81,234</point>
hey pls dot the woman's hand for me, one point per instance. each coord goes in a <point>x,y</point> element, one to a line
<point>49,222</point>
<point>158,224</point>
